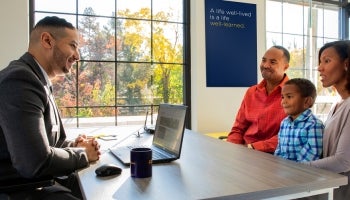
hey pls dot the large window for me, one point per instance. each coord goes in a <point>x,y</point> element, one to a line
<point>303,26</point>
<point>133,57</point>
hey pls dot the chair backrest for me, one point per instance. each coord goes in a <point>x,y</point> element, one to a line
<point>20,184</point>
<point>10,180</point>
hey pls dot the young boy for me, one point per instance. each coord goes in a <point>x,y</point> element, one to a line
<point>301,132</point>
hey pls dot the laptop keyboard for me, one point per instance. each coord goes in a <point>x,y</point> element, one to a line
<point>155,154</point>
<point>137,146</point>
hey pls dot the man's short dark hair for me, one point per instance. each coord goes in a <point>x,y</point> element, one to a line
<point>285,51</point>
<point>55,22</point>
<point>305,87</point>
<point>54,25</point>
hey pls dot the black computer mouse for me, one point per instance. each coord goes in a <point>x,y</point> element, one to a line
<point>108,170</point>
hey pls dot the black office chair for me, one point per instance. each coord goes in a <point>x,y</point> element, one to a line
<point>10,182</point>
<point>20,184</point>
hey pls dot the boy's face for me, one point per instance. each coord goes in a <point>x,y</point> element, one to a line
<point>292,102</point>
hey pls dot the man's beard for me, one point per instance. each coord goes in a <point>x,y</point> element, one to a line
<point>58,57</point>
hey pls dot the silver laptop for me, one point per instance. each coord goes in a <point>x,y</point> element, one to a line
<point>167,138</point>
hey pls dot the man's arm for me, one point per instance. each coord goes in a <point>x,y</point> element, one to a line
<point>268,145</point>
<point>26,131</point>
<point>239,126</point>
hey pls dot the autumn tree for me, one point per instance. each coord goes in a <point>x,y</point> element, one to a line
<point>125,62</point>
<point>166,55</point>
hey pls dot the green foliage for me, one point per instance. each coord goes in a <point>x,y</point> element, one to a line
<point>85,112</point>
<point>296,64</point>
<point>145,66</point>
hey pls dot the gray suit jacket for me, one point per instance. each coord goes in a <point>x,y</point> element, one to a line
<point>32,138</point>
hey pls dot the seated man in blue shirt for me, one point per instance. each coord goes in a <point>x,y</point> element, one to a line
<point>301,132</point>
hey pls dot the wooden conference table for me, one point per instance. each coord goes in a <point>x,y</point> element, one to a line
<point>210,169</point>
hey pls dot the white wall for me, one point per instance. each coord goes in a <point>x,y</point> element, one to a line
<point>14,20</point>
<point>215,108</point>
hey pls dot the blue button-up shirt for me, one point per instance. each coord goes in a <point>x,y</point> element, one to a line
<point>300,140</point>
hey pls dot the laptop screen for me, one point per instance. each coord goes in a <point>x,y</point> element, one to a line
<point>170,127</point>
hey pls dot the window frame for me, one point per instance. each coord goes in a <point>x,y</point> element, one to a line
<point>310,42</point>
<point>186,65</point>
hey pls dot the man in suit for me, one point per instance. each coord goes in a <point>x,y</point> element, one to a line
<point>32,139</point>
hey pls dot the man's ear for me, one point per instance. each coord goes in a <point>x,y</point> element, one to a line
<point>286,66</point>
<point>46,40</point>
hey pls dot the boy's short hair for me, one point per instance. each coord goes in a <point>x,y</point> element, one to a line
<point>305,87</point>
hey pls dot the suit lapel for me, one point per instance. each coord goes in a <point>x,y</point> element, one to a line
<point>58,127</point>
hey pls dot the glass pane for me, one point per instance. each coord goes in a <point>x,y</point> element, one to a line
<point>310,20</point>
<point>66,6</point>
<point>152,112</point>
<point>173,10</point>
<point>311,58</point>
<point>65,91</point>
<point>69,117</point>
<point>134,84</point>
<point>326,97</point>
<point>318,22</point>
<point>136,115</point>
<point>295,45</point>
<point>168,84</point>
<point>134,41</point>
<point>331,21</point>
<point>90,117</point>
<point>167,40</point>
<point>68,112</point>
<point>143,82</point>
<point>273,39</point>
<point>291,41</point>
<point>97,38</point>
<point>304,31</point>
<point>96,84</point>
<point>273,16</point>
<point>137,9</point>
<point>100,7</point>
<point>292,23</point>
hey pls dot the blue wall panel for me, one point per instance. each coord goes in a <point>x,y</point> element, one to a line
<point>231,43</point>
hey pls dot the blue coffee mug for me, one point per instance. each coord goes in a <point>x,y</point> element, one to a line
<point>141,162</point>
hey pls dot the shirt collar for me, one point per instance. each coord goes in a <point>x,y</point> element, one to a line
<point>48,82</point>
<point>302,116</point>
<point>262,84</point>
